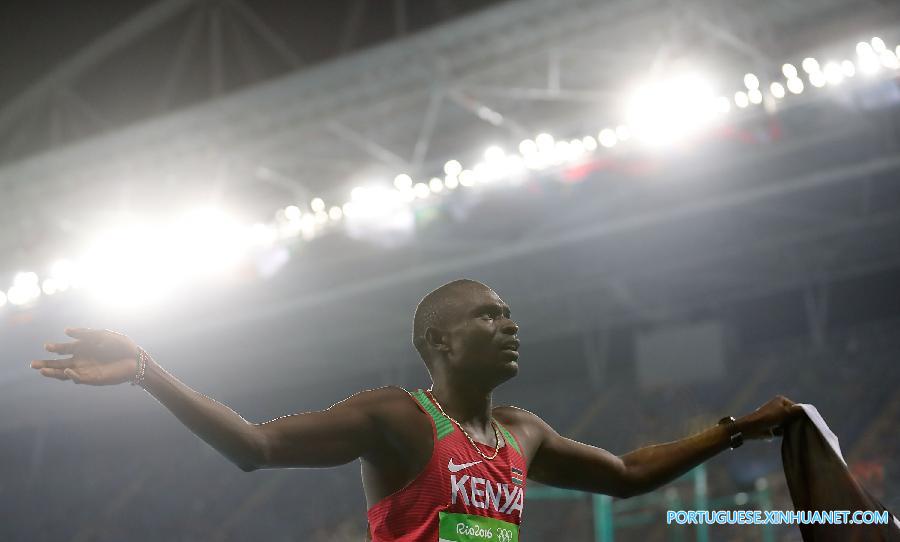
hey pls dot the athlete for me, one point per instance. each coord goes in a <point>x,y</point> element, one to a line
<point>438,464</point>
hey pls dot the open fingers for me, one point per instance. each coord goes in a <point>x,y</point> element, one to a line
<point>61,363</point>
<point>83,332</point>
<point>61,348</point>
<point>58,374</point>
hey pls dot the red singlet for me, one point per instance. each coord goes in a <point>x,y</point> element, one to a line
<point>459,496</point>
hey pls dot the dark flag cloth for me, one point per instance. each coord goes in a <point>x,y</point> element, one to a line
<point>819,480</point>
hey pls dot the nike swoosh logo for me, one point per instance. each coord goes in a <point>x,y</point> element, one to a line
<point>456,468</point>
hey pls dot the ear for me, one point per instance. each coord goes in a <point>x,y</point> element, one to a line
<point>436,339</point>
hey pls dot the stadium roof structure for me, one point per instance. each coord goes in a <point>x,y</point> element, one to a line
<point>812,204</point>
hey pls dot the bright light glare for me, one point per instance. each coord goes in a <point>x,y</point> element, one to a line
<point>24,289</point>
<point>751,81</point>
<point>795,85</point>
<point>777,90</point>
<point>623,132</point>
<point>421,190</point>
<point>817,79</point>
<point>607,137</point>
<point>527,147</point>
<point>755,96</point>
<point>789,71</point>
<point>868,62</point>
<point>878,45</point>
<point>2,298</point>
<point>848,68</point>
<point>590,144</point>
<point>494,153</point>
<point>810,65</point>
<point>723,105</point>
<point>402,182</point>
<point>136,265</point>
<point>452,167</point>
<point>335,213</point>
<point>671,109</point>
<point>292,212</point>
<point>888,60</point>
<point>740,99</point>
<point>545,142</point>
<point>436,185</point>
<point>833,73</point>
<point>317,205</point>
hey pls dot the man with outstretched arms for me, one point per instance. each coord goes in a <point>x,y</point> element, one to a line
<point>439,464</point>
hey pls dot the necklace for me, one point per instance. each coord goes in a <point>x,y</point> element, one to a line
<point>472,442</point>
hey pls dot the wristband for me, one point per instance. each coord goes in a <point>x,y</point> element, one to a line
<point>736,438</point>
<point>141,371</point>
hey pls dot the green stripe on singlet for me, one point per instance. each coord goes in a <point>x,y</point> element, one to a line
<point>442,424</point>
<point>509,438</point>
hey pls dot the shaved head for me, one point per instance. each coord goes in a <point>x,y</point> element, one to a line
<point>436,309</point>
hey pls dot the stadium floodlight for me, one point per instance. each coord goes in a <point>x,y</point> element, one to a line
<point>436,185</point>
<point>545,143</point>
<point>789,71</point>
<point>868,62</point>
<point>795,85</point>
<point>49,286</point>
<point>751,81</point>
<point>202,241</point>
<point>335,213</point>
<point>421,190</point>
<point>848,68</point>
<point>494,154</point>
<point>777,90</point>
<point>607,137</point>
<point>888,59</point>
<point>878,45</point>
<point>741,99</point>
<point>755,96</point>
<point>561,152</point>
<point>403,182</point>
<point>262,234</point>
<point>590,144</point>
<point>527,147</point>
<point>665,111</point>
<point>810,65</point>
<point>723,104</point>
<point>23,293</point>
<point>817,79</point>
<point>833,73</point>
<point>292,212</point>
<point>451,182</point>
<point>452,167</point>
<point>168,256</point>
<point>317,205</point>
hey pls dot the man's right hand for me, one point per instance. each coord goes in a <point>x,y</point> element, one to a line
<point>98,357</point>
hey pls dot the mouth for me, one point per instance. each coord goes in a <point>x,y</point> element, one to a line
<point>511,346</point>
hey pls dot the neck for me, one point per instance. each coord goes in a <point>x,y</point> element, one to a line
<point>464,403</point>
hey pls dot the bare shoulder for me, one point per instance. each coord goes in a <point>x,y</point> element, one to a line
<point>525,425</point>
<point>383,402</point>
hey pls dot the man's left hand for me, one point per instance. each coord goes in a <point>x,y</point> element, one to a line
<point>767,421</point>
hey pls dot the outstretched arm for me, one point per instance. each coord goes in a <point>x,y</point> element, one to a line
<point>334,436</point>
<point>563,462</point>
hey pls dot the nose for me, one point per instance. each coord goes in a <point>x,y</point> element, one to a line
<point>510,327</point>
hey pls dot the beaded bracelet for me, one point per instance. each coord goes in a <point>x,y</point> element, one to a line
<point>141,371</point>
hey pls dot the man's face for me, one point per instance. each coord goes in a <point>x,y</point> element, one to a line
<point>482,337</point>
